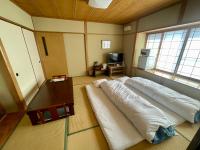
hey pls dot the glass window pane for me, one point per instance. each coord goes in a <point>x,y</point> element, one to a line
<point>151,37</point>
<point>190,63</point>
<point>153,42</point>
<point>196,71</point>
<point>156,45</point>
<point>198,63</point>
<point>170,50</point>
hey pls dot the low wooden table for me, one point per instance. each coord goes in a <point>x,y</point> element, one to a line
<point>53,101</point>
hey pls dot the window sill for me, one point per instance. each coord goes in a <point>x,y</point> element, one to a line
<point>175,78</point>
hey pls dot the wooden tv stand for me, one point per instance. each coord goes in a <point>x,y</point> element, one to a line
<point>116,69</point>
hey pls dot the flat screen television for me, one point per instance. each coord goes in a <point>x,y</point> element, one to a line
<point>115,58</point>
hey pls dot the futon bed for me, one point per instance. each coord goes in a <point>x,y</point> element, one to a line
<point>119,131</point>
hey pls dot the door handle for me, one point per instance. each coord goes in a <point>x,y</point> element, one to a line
<point>45,46</point>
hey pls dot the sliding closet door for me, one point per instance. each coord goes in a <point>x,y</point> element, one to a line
<point>75,51</point>
<point>52,53</point>
<point>34,56</point>
<point>16,51</point>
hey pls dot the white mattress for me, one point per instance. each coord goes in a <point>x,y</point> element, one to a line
<point>183,105</point>
<point>144,116</point>
<point>117,129</point>
<point>174,117</point>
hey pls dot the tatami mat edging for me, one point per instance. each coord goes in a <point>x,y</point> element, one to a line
<point>83,130</point>
<point>66,133</point>
<point>183,136</point>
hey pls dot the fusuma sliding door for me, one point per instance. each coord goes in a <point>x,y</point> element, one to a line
<point>16,51</point>
<point>34,56</point>
<point>52,53</point>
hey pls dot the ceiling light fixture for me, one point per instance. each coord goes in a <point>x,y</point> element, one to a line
<point>103,4</point>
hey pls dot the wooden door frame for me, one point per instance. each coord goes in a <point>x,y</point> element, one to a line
<point>11,80</point>
<point>2,111</point>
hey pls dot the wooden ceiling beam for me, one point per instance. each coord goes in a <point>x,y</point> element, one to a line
<point>182,10</point>
<point>74,10</point>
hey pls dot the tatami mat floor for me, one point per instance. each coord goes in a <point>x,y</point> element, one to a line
<point>81,131</point>
<point>49,136</point>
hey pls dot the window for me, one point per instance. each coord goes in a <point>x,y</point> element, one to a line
<point>153,43</point>
<point>170,50</point>
<point>190,62</point>
<point>177,52</point>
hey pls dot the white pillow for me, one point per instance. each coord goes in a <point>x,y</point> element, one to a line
<point>97,83</point>
<point>122,79</point>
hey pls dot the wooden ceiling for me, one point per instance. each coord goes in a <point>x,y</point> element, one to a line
<point>119,11</point>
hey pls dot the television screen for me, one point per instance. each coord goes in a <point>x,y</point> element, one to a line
<point>115,58</point>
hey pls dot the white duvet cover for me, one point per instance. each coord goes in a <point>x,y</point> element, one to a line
<point>145,117</point>
<point>183,105</point>
<point>171,115</point>
<point>117,129</point>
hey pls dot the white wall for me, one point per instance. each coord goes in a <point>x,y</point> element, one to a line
<point>104,28</point>
<point>168,17</point>
<point>57,25</point>
<point>75,54</point>
<point>12,12</point>
<point>133,27</point>
<point>96,32</point>
<point>192,11</point>
<point>163,18</point>
<point>96,53</point>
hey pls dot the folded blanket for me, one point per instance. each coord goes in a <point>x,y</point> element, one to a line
<point>150,121</point>
<point>183,105</point>
<point>122,79</point>
<point>97,83</point>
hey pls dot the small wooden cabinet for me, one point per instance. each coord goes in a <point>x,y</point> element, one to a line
<point>98,68</point>
<point>116,69</point>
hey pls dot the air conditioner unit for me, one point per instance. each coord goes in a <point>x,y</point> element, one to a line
<point>103,4</point>
<point>127,28</point>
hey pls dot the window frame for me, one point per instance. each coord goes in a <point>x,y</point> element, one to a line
<point>188,31</point>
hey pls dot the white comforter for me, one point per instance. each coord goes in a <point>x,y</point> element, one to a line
<point>179,103</point>
<point>146,117</point>
<point>117,129</point>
